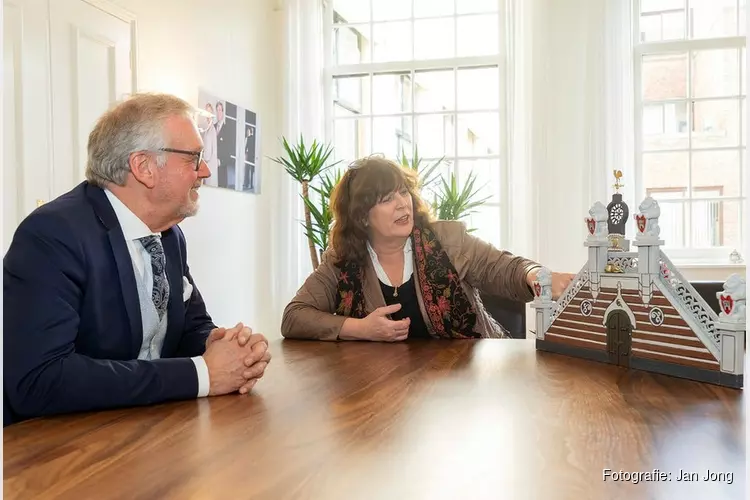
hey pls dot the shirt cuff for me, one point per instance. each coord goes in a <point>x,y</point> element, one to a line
<point>204,382</point>
<point>531,267</point>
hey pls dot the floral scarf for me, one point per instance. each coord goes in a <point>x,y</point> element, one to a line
<point>448,309</point>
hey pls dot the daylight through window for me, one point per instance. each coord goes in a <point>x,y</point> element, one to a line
<point>690,76</point>
<point>422,76</point>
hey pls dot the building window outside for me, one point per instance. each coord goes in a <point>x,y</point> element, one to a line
<point>690,79</point>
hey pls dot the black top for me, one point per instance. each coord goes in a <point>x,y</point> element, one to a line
<point>407,297</point>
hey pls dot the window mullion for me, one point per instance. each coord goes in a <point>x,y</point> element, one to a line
<point>414,130</point>
<point>421,65</point>
<point>691,126</point>
<point>739,19</point>
<point>328,44</point>
<point>694,44</point>
<point>503,118</point>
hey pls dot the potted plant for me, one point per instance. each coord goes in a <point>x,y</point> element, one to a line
<point>449,201</point>
<point>305,164</point>
<point>454,202</point>
<point>427,175</point>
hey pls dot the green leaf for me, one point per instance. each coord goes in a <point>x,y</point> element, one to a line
<point>327,184</point>
<point>427,175</point>
<point>454,202</point>
<point>304,163</point>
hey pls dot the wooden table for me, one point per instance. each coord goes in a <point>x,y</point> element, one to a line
<point>420,420</point>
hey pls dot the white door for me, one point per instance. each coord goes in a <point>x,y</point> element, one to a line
<point>27,158</point>
<point>64,63</point>
<point>91,69</point>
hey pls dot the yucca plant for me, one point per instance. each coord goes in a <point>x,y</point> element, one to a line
<point>427,175</point>
<point>449,200</point>
<point>304,164</point>
<point>453,202</point>
<point>321,214</point>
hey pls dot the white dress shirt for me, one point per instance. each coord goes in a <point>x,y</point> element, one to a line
<point>134,228</point>
<point>382,275</point>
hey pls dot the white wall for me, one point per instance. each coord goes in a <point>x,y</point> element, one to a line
<point>232,48</point>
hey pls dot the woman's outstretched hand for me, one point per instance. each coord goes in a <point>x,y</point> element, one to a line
<point>560,281</point>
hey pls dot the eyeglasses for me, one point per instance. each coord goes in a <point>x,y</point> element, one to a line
<point>198,155</point>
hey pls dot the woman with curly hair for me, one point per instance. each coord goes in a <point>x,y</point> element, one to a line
<point>392,272</point>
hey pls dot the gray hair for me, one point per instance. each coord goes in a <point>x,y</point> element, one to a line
<point>136,124</point>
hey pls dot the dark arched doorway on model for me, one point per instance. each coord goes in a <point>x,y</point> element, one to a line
<point>619,338</point>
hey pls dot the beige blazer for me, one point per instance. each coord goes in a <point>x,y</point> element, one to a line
<point>480,266</point>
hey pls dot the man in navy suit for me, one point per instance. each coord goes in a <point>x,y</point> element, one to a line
<point>100,308</point>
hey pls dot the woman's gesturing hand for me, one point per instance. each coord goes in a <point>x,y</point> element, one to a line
<point>377,326</point>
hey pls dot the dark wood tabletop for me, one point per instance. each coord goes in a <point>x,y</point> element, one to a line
<point>489,419</point>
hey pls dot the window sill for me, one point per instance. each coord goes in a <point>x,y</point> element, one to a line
<point>696,264</point>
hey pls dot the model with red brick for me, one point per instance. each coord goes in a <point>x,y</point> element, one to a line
<point>634,309</point>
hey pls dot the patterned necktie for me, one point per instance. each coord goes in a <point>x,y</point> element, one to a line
<point>160,290</point>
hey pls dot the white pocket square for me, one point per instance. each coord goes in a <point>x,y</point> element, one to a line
<point>187,289</point>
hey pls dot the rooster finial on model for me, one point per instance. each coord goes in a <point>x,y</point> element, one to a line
<point>618,176</point>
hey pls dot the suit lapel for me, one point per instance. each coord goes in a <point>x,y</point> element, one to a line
<point>124,263</point>
<point>175,308</point>
<point>128,286</point>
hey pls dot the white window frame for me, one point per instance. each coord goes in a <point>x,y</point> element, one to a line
<point>688,256</point>
<point>504,206</point>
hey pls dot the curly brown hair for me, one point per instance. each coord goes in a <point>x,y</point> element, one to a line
<point>365,183</point>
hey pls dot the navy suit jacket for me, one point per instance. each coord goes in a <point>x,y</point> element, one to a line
<point>72,322</point>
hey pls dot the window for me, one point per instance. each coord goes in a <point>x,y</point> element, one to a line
<point>424,75</point>
<point>689,70</point>
<point>706,215</point>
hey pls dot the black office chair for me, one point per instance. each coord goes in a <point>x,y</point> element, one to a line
<point>510,314</point>
<point>708,290</point>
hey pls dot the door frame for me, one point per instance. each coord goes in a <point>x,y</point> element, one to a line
<point>130,18</point>
<point>69,138</point>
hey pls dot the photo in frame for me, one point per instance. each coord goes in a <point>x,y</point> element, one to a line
<point>231,142</point>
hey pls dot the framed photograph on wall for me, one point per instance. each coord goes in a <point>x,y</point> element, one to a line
<point>231,140</point>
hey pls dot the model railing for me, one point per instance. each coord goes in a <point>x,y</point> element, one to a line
<point>624,261</point>
<point>580,280</point>
<point>690,300</point>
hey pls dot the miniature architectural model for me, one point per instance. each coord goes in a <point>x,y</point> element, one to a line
<point>634,309</point>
